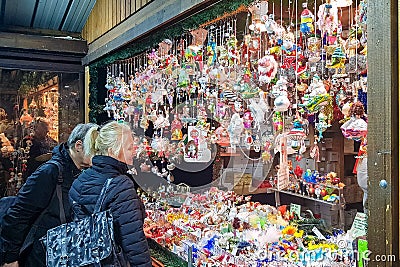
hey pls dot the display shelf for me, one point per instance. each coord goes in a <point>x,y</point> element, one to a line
<point>334,206</point>
<point>304,196</point>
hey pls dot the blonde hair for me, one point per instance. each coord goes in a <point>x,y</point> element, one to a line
<point>99,141</point>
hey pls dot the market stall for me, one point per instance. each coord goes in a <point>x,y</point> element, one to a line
<point>273,97</point>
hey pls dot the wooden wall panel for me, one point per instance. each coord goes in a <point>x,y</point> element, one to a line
<point>383,118</point>
<point>122,10</point>
<point>106,14</point>
<point>127,8</point>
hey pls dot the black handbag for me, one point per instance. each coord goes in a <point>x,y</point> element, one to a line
<point>89,241</point>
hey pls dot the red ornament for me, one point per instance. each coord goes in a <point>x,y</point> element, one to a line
<point>323,192</point>
<point>298,171</point>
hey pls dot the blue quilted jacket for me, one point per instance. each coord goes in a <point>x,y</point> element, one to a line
<point>122,200</point>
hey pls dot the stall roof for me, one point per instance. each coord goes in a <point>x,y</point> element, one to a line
<point>60,15</point>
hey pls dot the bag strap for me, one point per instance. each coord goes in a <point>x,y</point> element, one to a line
<point>100,201</point>
<point>59,190</point>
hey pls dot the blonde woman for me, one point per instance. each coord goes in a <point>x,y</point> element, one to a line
<point>114,148</point>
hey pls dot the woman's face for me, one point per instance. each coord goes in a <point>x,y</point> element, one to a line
<point>128,149</point>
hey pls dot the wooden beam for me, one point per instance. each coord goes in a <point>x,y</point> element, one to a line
<point>39,65</point>
<point>55,44</point>
<point>383,132</point>
<point>155,15</point>
<point>40,55</point>
<point>36,31</point>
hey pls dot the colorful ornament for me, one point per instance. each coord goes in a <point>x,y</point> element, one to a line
<point>306,20</point>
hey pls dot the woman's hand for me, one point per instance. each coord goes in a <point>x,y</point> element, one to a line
<point>147,231</point>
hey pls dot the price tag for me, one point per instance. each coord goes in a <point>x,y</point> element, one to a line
<point>318,233</point>
<point>296,209</point>
<point>360,225</point>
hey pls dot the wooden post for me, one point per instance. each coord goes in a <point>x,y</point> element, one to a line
<point>383,122</point>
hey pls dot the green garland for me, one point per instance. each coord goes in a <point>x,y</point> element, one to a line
<point>165,256</point>
<point>192,22</point>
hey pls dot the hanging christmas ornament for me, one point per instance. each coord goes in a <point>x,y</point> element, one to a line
<point>233,54</point>
<point>314,150</point>
<point>247,119</point>
<point>361,16</point>
<point>338,59</point>
<point>222,136</point>
<point>322,125</point>
<point>328,20</point>
<point>278,122</point>
<point>235,129</point>
<point>267,69</point>
<point>314,49</point>
<point>257,144</point>
<point>306,21</point>
<point>258,10</point>
<point>164,47</point>
<point>211,51</point>
<point>282,102</point>
<point>317,96</point>
<point>267,154</point>
<point>296,135</point>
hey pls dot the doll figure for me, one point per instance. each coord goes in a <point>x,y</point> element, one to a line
<point>191,149</point>
<point>355,128</point>
<point>176,129</point>
<point>26,118</point>
<point>220,111</point>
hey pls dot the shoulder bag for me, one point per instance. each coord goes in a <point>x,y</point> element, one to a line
<point>86,242</point>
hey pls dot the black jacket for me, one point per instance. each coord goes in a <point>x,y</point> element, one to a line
<point>34,197</point>
<point>122,200</point>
